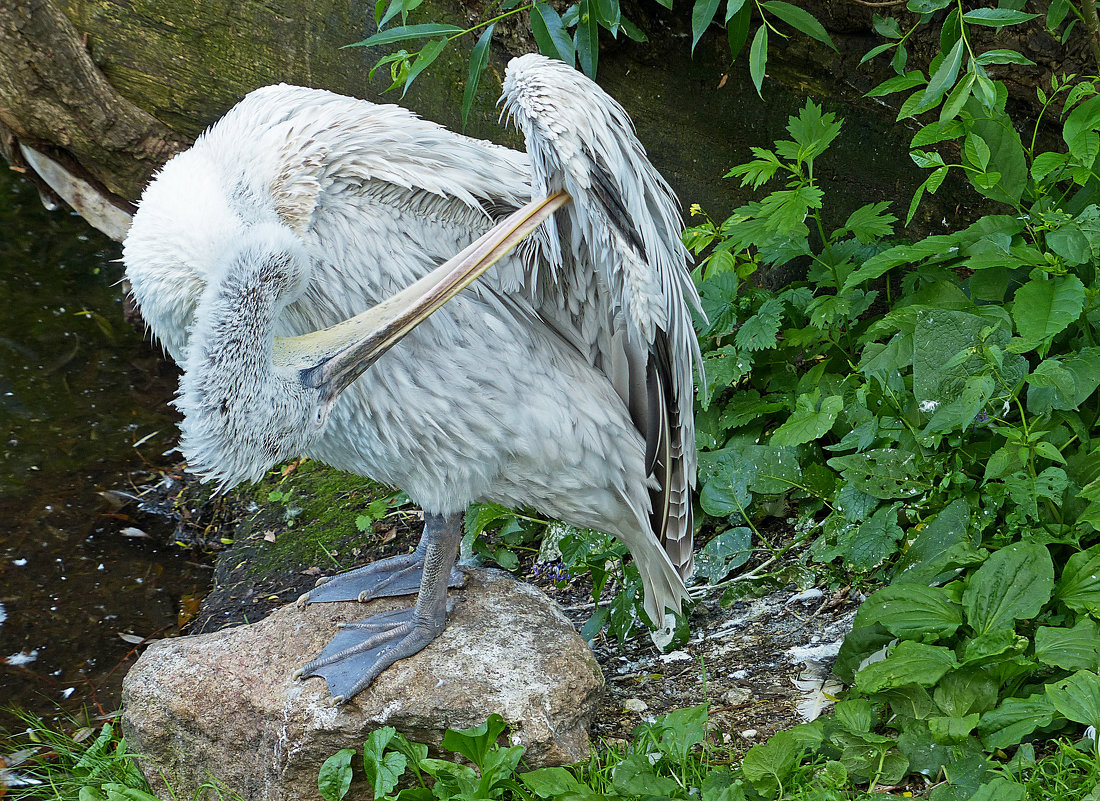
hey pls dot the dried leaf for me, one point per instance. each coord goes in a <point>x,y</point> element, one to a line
<point>132,639</point>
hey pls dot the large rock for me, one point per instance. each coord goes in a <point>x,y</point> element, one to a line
<point>224,705</point>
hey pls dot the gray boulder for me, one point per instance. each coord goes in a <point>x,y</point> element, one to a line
<point>224,705</point>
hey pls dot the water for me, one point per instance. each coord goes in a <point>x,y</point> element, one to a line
<point>78,389</point>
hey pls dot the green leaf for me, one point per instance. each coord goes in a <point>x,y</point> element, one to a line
<point>1077,697</point>
<point>475,742</point>
<point>587,38</point>
<point>874,541</point>
<point>759,331</point>
<point>767,765</point>
<point>726,491</point>
<point>1015,719</point>
<point>737,30</point>
<point>550,34</point>
<point>944,77</point>
<point>429,53</point>
<point>334,778</point>
<point>912,612</point>
<point>1003,57</point>
<point>406,32</point>
<point>1079,585</point>
<point>952,730</point>
<point>1042,308</point>
<point>900,83</point>
<point>930,553</point>
<point>907,663</point>
<point>702,14</point>
<point>634,776</point>
<point>868,223</point>
<point>479,60</point>
<point>808,422</point>
<point>1070,649</point>
<point>884,473</point>
<point>1013,584</point>
<point>383,769</point>
<point>724,554</point>
<point>799,19</point>
<point>758,58</point>
<point>996,17</point>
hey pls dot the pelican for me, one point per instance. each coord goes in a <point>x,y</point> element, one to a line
<point>561,380</point>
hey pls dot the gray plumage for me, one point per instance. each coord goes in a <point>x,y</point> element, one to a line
<point>560,380</point>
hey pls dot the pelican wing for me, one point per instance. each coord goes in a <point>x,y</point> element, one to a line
<point>618,287</point>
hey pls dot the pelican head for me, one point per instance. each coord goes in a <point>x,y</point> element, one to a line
<point>245,406</point>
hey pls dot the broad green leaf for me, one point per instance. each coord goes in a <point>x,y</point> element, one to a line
<point>760,331</point>
<point>634,776</point>
<point>681,730</point>
<point>406,32</point>
<point>1077,697</point>
<point>952,730</point>
<point>1084,119</point>
<point>928,555</point>
<point>475,742</point>
<point>864,755</point>
<point>855,715</point>
<point>702,14</point>
<point>724,554</point>
<point>912,612</point>
<point>1013,584</point>
<point>907,663</point>
<point>1042,308</point>
<point>479,60</point>
<point>383,769</point>
<point>1014,719</point>
<point>767,765</point>
<point>1007,158</point>
<point>1000,789</point>
<point>1079,585</point>
<point>550,34</point>
<point>809,422</point>
<point>874,542</point>
<point>1070,649</point>
<point>726,491</point>
<point>334,778</point>
<point>758,58</point>
<point>884,473</point>
<point>966,691</point>
<point>997,17</point>
<point>799,19</point>
<point>554,783</point>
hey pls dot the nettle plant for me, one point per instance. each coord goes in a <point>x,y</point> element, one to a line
<point>927,410</point>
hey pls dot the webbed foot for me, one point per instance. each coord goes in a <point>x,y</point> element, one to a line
<point>398,575</point>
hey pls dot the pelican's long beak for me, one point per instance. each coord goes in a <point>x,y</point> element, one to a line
<point>332,358</point>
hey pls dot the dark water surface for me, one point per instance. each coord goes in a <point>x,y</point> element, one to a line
<point>78,389</point>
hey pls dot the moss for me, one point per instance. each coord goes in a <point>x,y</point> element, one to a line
<point>294,526</point>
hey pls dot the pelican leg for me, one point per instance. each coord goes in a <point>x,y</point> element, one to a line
<point>398,575</point>
<point>360,651</point>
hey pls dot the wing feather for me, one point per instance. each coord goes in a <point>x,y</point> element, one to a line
<point>619,283</point>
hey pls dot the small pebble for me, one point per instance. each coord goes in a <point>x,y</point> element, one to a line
<point>749,734</point>
<point>635,705</point>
